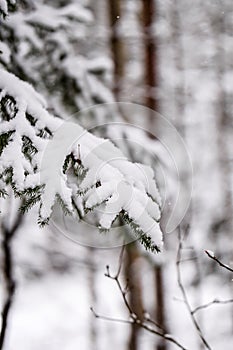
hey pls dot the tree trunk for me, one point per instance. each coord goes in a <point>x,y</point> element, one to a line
<point>7,272</point>
<point>223,128</point>
<point>152,102</point>
<point>117,46</point>
<point>150,62</point>
<point>132,274</point>
<point>132,253</point>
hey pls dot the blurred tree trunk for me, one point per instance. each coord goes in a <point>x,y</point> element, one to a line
<point>132,253</point>
<point>132,275</point>
<point>117,46</point>
<point>178,56</point>
<point>150,61</point>
<point>7,234</point>
<point>224,223</point>
<point>224,121</point>
<point>160,304</point>
<point>152,102</point>
<point>224,129</point>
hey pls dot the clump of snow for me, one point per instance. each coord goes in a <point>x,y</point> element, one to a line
<point>3,7</point>
<point>4,53</point>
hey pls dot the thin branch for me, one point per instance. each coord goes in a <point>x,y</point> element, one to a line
<point>185,296</point>
<point>149,320</point>
<point>134,319</point>
<point>141,324</point>
<point>8,274</point>
<point>213,257</point>
<point>111,319</point>
<point>123,291</point>
<point>188,259</point>
<point>215,301</point>
<point>178,299</point>
<point>120,260</point>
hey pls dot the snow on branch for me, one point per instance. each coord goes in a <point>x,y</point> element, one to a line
<point>46,159</point>
<point>5,5</point>
<point>212,256</point>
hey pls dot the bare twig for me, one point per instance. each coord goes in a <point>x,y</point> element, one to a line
<point>185,296</point>
<point>145,323</point>
<point>213,257</point>
<point>149,320</point>
<point>204,306</point>
<point>112,319</point>
<point>8,274</point>
<point>141,324</point>
<point>123,291</point>
<point>215,301</point>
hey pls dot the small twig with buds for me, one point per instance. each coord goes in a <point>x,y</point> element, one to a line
<point>145,323</point>
<point>184,293</point>
<point>215,301</point>
<point>213,257</point>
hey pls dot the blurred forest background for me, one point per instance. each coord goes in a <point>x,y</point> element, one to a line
<point>175,57</point>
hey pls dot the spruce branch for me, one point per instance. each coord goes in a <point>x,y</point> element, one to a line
<point>143,237</point>
<point>3,193</point>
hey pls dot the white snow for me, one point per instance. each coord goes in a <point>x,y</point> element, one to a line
<point>4,52</point>
<point>3,6</point>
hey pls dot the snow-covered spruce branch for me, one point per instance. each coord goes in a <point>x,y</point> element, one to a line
<point>184,293</point>
<point>47,160</point>
<point>213,257</point>
<point>146,323</point>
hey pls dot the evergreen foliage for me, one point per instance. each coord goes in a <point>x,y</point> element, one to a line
<point>86,178</point>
